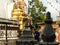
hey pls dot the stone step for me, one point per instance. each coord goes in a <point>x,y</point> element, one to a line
<point>26,36</point>
<point>26,42</point>
<point>48,43</point>
<point>26,39</point>
<point>27,32</point>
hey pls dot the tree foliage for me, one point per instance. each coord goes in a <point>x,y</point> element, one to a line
<point>36,10</point>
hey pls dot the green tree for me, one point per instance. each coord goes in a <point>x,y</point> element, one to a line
<point>36,10</point>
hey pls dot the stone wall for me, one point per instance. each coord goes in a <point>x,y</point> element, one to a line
<point>3,8</point>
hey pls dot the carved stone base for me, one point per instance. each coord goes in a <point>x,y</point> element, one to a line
<point>48,43</point>
<point>26,38</point>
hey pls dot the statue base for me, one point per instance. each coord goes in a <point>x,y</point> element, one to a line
<point>49,43</point>
<point>26,38</point>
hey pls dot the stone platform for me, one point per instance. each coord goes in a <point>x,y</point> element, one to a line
<point>26,38</point>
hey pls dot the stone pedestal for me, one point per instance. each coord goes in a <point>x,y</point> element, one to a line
<point>48,43</point>
<point>26,38</point>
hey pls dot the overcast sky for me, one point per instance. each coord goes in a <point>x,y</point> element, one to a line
<point>55,4</point>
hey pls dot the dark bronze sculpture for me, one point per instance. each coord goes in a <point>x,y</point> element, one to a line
<point>48,34</point>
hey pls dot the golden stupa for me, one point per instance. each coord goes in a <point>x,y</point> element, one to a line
<point>18,13</point>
